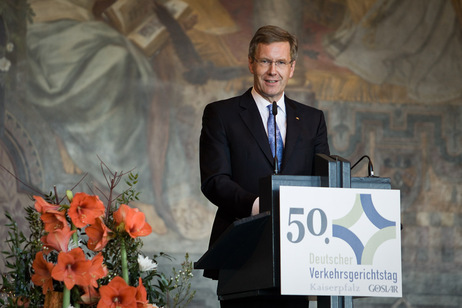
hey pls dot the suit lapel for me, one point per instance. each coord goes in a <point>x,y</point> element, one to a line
<point>251,117</point>
<point>293,130</point>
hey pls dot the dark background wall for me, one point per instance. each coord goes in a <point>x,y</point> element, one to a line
<point>386,73</point>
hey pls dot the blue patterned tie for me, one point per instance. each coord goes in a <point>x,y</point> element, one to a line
<point>280,144</point>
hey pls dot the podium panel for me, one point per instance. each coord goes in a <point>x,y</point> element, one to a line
<point>340,242</point>
<point>248,254</point>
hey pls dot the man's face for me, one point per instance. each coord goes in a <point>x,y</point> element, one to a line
<point>269,72</point>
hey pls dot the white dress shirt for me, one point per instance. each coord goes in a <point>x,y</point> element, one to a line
<point>280,120</point>
<point>264,113</point>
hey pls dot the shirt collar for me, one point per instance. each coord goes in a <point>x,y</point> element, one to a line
<point>262,103</point>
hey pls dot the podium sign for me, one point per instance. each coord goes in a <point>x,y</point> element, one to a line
<point>340,241</point>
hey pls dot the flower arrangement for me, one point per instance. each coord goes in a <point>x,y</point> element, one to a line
<point>90,253</point>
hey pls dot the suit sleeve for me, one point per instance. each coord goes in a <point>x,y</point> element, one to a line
<point>321,143</point>
<point>215,167</point>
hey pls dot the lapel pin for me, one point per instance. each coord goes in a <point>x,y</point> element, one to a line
<point>297,118</point>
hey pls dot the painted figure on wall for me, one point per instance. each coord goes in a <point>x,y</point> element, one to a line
<point>92,92</point>
<point>93,88</point>
<point>419,53</point>
<point>95,95</point>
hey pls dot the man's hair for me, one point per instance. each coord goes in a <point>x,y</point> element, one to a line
<point>273,34</point>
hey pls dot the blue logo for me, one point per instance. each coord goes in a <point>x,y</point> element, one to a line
<point>341,229</point>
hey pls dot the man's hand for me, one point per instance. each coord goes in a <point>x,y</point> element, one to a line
<point>256,207</point>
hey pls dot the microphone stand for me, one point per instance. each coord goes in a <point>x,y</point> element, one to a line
<point>370,167</point>
<point>276,163</point>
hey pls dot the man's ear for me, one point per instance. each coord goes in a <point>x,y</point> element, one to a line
<point>292,69</point>
<point>251,65</point>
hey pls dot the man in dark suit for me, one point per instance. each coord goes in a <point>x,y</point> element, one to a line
<point>235,151</point>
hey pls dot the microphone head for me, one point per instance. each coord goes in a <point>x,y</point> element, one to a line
<point>370,168</point>
<point>275,108</point>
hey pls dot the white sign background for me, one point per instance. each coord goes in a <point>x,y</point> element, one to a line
<point>315,262</point>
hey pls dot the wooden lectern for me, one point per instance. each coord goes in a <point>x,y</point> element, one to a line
<point>248,253</point>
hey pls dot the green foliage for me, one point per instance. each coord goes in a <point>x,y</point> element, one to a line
<point>112,258</point>
<point>178,289</point>
<point>18,260</point>
<point>129,194</point>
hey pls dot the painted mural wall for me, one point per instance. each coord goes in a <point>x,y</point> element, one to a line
<point>124,83</point>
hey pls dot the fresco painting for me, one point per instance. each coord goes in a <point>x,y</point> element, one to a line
<point>125,83</point>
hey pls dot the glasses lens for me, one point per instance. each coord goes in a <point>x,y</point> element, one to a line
<point>268,63</point>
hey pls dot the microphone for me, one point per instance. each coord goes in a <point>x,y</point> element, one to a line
<point>276,163</point>
<point>370,167</point>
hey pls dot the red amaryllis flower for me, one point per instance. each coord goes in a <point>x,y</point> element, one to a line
<point>84,209</point>
<point>54,220</point>
<point>121,213</point>
<point>117,294</point>
<point>72,268</point>
<point>98,235</point>
<point>42,275</point>
<point>97,270</point>
<point>90,296</point>
<point>142,296</point>
<point>58,239</point>
<point>42,206</point>
<point>134,221</point>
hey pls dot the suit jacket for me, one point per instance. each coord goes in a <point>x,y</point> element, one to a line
<point>235,153</point>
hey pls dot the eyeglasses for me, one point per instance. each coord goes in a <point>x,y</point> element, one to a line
<point>267,63</point>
